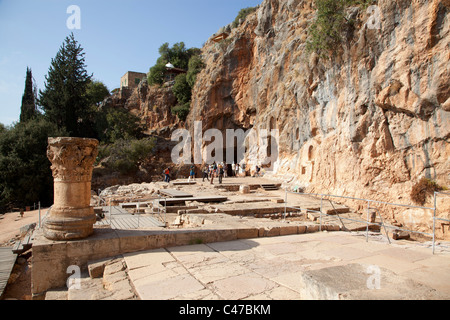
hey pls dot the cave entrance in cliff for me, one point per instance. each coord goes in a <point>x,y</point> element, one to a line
<point>311,153</point>
<point>272,144</point>
<point>230,155</point>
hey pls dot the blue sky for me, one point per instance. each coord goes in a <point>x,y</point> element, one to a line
<point>117,36</point>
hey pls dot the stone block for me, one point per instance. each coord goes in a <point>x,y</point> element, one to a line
<point>286,230</point>
<point>161,240</point>
<point>312,228</point>
<point>400,235</point>
<point>247,233</point>
<point>301,229</point>
<point>134,243</point>
<point>331,227</point>
<point>96,268</point>
<point>269,232</point>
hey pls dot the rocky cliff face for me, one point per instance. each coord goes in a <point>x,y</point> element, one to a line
<point>368,124</point>
<point>153,104</point>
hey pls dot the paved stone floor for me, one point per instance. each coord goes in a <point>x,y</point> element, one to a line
<point>311,266</point>
<point>325,265</point>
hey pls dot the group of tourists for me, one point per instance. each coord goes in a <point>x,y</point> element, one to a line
<point>220,170</point>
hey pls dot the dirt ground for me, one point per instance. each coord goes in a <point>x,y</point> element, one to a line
<point>10,224</point>
<point>19,286</point>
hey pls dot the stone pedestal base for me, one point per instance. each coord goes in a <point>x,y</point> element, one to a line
<point>69,224</point>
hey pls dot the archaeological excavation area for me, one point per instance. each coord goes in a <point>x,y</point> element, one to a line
<point>244,239</point>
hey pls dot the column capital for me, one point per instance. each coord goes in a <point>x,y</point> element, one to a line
<point>72,158</point>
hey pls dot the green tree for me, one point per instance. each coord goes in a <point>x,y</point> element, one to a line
<point>116,123</point>
<point>156,74</point>
<point>64,100</point>
<point>25,175</point>
<point>327,31</point>
<point>181,89</point>
<point>96,92</point>
<point>28,109</point>
<point>177,55</point>
<point>125,155</point>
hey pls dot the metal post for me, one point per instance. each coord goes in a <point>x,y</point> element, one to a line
<point>321,203</point>
<point>138,211</point>
<point>110,213</point>
<point>384,227</point>
<point>434,222</point>
<point>368,219</point>
<point>39,206</point>
<point>165,210</point>
<point>285,203</point>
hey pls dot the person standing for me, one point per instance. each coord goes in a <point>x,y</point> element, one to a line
<point>205,172</point>
<point>221,172</point>
<point>225,169</point>
<point>167,175</point>
<point>192,173</point>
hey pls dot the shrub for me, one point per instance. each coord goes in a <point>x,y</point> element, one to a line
<point>25,175</point>
<point>182,111</point>
<point>243,13</point>
<point>117,123</point>
<point>326,32</point>
<point>125,155</point>
<point>195,66</point>
<point>422,189</point>
<point>156,74</point>
<point>181,89</point>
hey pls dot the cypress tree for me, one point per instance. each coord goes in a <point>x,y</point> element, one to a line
<point>28,109</point>
<point>64,99</point>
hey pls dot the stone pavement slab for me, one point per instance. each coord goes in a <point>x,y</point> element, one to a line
<point>242,286</point>
<point>168,287</point>
<point>323,265</point>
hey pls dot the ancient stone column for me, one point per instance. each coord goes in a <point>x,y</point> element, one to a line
<point>71,216</point>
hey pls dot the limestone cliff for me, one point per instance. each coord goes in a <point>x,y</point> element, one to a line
<point>152,104</point>
<point>368,124</point>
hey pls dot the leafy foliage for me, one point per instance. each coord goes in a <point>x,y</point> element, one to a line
<point>178,55</point>
<point>181,89</point>
<point>182,111</point>
<point>125,155</point>
<point>422,189</point>
<point>243,13</point>
<point>96,92</point>
<point>156,74</point>
<point>195,65</point>
<point>114,124</point>
<point>25,175</point>
<point>326,32</point>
